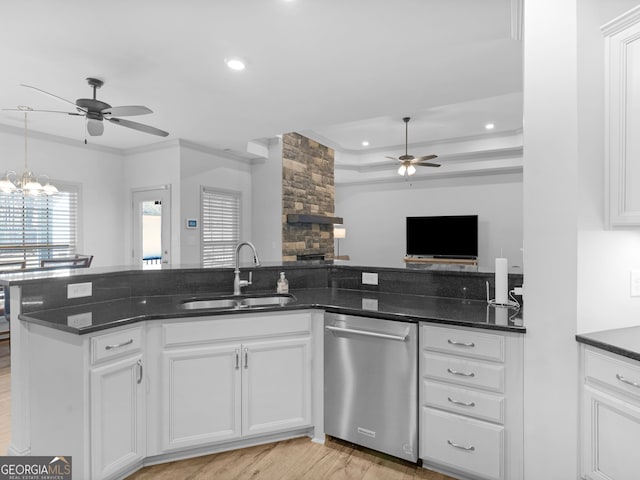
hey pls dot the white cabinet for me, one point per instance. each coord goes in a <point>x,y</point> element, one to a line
<point>201,392</point>
<point>230,377</point>
<point>610,427</point>
<point>622,118</point>
<point>117,399</point>
<point>471,402</point>
<point>276,385</point>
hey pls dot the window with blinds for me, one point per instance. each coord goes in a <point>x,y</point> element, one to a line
<point>220,226</point>
<point>35,228</point>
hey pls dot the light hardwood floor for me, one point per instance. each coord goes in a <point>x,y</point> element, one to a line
<point>297,459</point>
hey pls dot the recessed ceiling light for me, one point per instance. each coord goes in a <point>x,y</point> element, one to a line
<point>365,143</point>
<point>235,63</point>
<point>489,126</point>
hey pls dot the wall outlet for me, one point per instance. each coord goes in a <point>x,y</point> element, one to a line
<point>77,290</point>
<point>80,320</point>
<point>635,283</point>
<point>369,278</point>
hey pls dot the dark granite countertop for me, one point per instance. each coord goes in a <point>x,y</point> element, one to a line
<point>93,317</point>
<point>622,341</point>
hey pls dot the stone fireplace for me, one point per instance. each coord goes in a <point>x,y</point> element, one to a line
<point>308,199</point>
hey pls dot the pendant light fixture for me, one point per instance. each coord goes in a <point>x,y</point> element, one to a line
<point>27,183</point>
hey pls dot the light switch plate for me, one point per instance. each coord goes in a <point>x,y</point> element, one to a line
<point>77,290</point>
<point>635,283</point>
<point>369,278</point>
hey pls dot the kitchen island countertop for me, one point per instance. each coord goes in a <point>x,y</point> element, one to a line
<point>93,317</point>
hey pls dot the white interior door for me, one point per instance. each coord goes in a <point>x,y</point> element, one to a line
<point>151,214</point>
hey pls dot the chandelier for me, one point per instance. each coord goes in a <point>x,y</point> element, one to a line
<point>27,183</point>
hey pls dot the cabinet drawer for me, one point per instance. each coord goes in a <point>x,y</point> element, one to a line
<point>116,344</point>
<point>613,371</point>
<point>462,444</point>
<point>464,401</point>
<point>486,346</point>
<point>462,371</point>
<point>209,329</point>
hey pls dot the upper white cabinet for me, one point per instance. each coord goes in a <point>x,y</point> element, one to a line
<point>622,120</point>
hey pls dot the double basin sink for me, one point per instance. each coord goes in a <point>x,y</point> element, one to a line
<point>238,302</point>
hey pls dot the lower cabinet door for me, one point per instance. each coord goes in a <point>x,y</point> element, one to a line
<point>472,447</point>
<point>276,379</point>
<point>610,437</point>
<point>117,416</point>
<point>201,395</point>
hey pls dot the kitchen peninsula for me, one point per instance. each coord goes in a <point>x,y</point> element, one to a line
<point>128,376</point>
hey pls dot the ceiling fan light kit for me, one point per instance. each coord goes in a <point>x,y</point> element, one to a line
<point>408,162</point>
<point>96,111</point>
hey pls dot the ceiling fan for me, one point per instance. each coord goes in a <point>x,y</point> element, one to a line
<point>408,162</point>
<point>96,111</point>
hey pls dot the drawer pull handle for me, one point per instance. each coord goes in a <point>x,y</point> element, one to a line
<point>628,382</point>
<point>470,448</point>
<point>246,358</point>
<point>463,374</point>
<point>237,359</point>
<point>140,371</point>
<point>464,404</point>
<point>461,344</point>
<point>118,345</point>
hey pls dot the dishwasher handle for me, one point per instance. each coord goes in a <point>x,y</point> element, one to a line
<point>366,333</point>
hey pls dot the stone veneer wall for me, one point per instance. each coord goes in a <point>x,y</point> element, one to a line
<point>307,188</point>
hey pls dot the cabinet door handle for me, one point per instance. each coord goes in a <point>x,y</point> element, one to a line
<point>463,374</point>
<point>458,402</point>
<point>470,448</point>
<point>140,371</point>
<point>628,382</point>
<point>237,358</point>
<point>118,345</point>
<point>246,358</point>
<point>461,344</point>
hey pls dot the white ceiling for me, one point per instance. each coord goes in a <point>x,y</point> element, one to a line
<point>342,71</point>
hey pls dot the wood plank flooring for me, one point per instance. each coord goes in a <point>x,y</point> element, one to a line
<point>295,459</point>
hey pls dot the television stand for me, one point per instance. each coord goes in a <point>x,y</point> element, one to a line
<point>465,264</point>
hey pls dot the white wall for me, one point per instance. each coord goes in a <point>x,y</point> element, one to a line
<point>267,204</point>
<point>605,257</point>
<point>374,216</point>
<point>198,168</point>
<point>99,172</point>
<point>550,239</point>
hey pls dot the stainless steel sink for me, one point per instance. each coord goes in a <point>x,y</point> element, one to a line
<point>265,301</point>
<point>232,303</point>
<point>210,304</point>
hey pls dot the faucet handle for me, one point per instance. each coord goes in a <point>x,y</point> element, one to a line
<point>250,278</point>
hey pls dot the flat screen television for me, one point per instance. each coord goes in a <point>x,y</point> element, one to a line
<point>453,236</point>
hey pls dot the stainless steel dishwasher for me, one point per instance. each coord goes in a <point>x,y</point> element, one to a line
<point>371,383</point>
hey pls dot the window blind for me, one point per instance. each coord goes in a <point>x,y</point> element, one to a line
<point>34,228</point>
<point>220,226</point>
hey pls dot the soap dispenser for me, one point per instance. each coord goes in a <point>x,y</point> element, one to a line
<point>282,286</point>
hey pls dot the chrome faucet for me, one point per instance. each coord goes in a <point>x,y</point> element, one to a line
<point>237,283</point>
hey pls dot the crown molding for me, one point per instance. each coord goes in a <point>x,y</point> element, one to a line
<point>60,140</point>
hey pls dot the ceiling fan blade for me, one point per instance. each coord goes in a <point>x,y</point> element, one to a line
<point>126,111</point>
<point>138,126</point>
<point>54,96</point>
<point>427,164</point>
<point>426,157</point>
<point>393,158</point>
<point>45,111</point>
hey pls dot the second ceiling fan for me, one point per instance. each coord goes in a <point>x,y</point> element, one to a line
<point>408,162</point>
